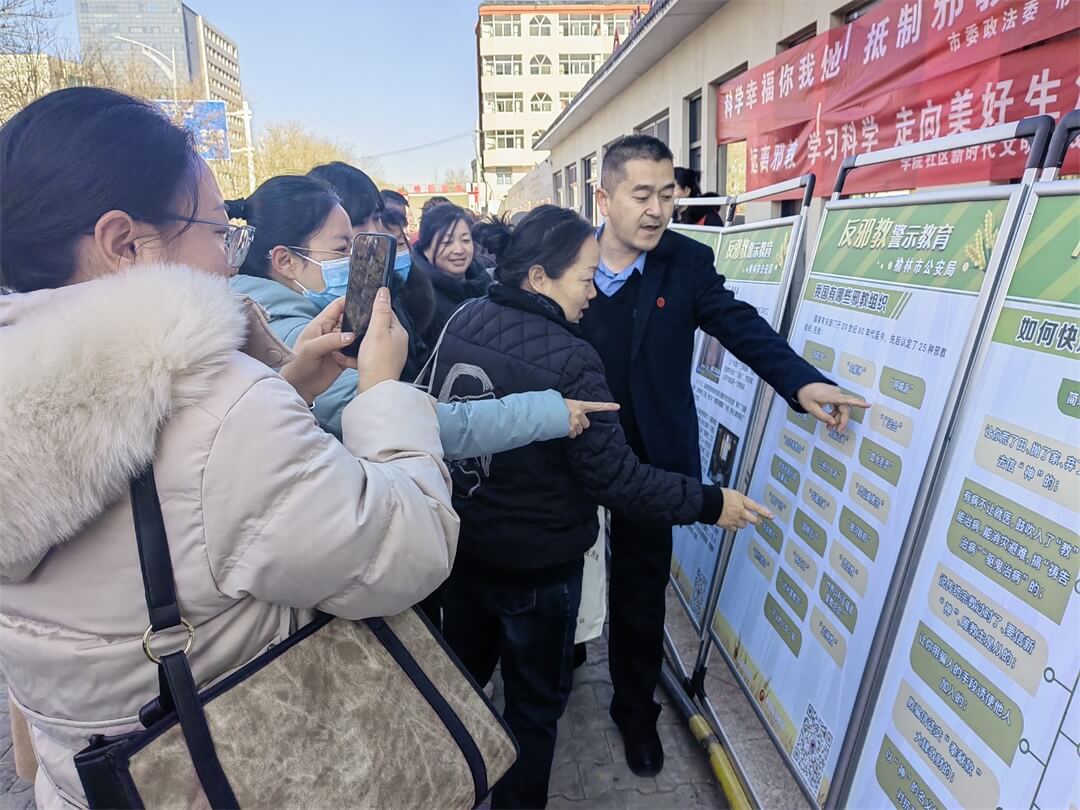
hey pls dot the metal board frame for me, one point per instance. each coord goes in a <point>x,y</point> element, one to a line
<point>761,391</point>
<point>1016,195</point>
<point>858,732</point>
<point>798,224</point>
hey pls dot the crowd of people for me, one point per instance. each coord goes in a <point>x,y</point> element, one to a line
<point>512,379</point>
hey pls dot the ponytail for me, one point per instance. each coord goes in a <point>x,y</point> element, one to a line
<point>548,236</point>
<point>237,209</point>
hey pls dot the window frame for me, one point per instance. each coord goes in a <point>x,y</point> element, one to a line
<point>540,61</point>
<point>541,98</point>
<point>538,24</point>
<point>570,63</point>
<point>570,25</point>
<point>492,63</point>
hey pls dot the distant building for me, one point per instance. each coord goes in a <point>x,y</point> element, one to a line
<point>532,58</point>
<point>182,43</point>
<point>467,195</point>
<point>534,189</point>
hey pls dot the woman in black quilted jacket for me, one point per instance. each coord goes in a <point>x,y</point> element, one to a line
<point>528,516</point>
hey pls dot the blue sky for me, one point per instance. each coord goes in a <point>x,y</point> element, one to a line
<point>380,75</point>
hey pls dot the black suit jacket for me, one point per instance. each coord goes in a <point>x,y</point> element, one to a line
<point>681,291</point>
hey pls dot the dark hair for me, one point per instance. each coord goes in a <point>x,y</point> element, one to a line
<point>358,193</point>
<point>437,223</point>
<point>549,236</point>
<point>392,218</point>
<point>284,210</point>
<point>626,148</point>
<point>70,157</point>
<point>395,197</point>
<point>434,202</point>
<point>689,178</point>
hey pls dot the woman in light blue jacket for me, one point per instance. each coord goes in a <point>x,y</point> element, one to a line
<point>299,262</point>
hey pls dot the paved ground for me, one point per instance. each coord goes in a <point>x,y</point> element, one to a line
<point>590,770</point>
<point>14,793</point>
<point>590,766</point>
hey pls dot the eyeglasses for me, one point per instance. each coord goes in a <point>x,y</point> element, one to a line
<point>305,250</point>
<point>238,238</point>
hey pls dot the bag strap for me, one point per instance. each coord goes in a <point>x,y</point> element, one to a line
<point>176,683</point>
<point>154,559</point>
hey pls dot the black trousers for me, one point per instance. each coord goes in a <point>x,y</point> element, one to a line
<point>637,585</point>
<point>531,631</point>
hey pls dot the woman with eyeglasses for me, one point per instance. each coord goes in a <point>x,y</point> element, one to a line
<point>122,346</point>
<point>299,263</point>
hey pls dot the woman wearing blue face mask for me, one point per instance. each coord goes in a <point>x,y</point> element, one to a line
<point>299,262</point>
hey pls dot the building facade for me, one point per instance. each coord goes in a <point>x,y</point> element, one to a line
<point>750,98</point>
<point>532,59</point>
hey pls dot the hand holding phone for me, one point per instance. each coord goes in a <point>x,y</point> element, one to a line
<point>384,348</point>
<point>371,264</point>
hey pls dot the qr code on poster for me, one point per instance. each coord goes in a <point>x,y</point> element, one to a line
<point>812,747</point>
<point>701,587</point>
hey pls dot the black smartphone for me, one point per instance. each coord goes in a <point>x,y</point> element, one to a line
<point>371,264</point>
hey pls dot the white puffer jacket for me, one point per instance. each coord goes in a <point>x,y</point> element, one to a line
<point>267,516</point>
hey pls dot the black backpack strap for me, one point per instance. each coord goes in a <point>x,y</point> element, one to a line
<point>177,685</point>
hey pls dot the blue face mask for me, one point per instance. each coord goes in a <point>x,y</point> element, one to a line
<point>402,265</point>
<point>335,275</point>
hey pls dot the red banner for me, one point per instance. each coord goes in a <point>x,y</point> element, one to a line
<point>906,71</point>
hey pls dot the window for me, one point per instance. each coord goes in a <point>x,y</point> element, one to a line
<point>502,65</point>
<point>501,25</point>
<point>536,137</point>
<point>588,202</point>
<point>571,187</point>
<point>541,102</point>
<point>504,139</point>
<point>565,97</point>
<point>693,128</point>
<point>503,102</point>
<point>658,127</point>
<point>579,25</point>
<point>798,38</point>
<point>540,65</point>
<point>731,169</point>
<point>540,26</point>
<point>852,11</point>
<point>579,64</point>
<point>504,176</point>
<point>616,24</point>
<point>557,182</point>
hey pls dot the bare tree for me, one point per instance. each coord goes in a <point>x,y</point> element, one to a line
<point>459,176</point>
<point>288,148</point>
<point>28,66</point>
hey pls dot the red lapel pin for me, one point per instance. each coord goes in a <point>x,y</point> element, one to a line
<point>660,302</point>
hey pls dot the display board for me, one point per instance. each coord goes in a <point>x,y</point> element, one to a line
<point>889,310</point>
<point>754,260</point>
<point>978,706</point>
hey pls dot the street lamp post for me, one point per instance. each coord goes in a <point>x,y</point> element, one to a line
<point>166,63</point>
<point>168,67</point>
<point>245,115</point>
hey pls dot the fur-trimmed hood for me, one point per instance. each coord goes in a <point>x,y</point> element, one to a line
<point>90,373</point>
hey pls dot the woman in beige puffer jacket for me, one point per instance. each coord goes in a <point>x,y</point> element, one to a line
<point>133,352</point>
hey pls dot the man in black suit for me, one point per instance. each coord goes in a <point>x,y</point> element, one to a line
<point>655,288</point>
